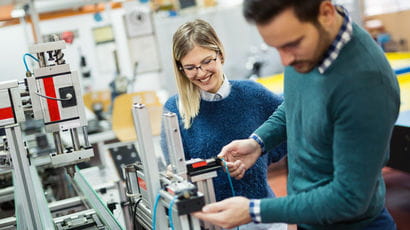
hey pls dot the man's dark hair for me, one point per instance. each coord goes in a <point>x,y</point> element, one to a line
<point>263,11</point>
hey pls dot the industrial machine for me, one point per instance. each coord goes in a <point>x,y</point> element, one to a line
<point>56,98</point>
<point>157,196</point>
<point>52,94</point>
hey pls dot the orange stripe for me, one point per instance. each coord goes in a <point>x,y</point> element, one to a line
<point>5,13</point>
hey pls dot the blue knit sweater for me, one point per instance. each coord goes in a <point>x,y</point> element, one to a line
<point>219,122</point>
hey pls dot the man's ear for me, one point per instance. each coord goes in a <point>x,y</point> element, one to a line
<point>327,14</point>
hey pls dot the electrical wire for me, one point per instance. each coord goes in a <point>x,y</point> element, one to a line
<point>25,62</point>
<point>136,203</point>
<point>134,222</point>
<point>171,223</point>
<point>69,96</point>
<point>229,177</point>
<point>230,180</point>
<point>154,212</point>
<point>171,204</point>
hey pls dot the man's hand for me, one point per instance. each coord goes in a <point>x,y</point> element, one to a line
<point>228,213</point>
<point>240,155</point>
<point>236,169</point>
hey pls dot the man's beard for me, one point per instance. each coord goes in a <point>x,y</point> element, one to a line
<point>323,43</point>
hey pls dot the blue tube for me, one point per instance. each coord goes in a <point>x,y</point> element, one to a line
<point>171,221</point>
<point>25,62</point>
<point>229,177</point>
<point>154,212</point>
<point>230,181</point>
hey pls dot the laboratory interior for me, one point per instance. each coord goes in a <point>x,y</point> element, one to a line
<point>92,136</point>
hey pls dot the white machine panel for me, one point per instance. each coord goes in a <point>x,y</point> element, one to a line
<point>11,110</point>
<point>60,83</point>
<point>6,109</point>
<point>44,47</point>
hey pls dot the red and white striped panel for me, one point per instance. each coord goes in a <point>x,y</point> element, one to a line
<point>6,111</point>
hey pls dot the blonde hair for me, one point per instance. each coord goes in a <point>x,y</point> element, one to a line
<point>191,34</point>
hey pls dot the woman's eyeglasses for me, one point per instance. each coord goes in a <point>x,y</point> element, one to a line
<point>205,65</point>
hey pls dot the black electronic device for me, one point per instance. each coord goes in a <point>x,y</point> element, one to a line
<point>200,166</point>
<point>186,3</point>
<point>400,149</point>
<point>123,154</point>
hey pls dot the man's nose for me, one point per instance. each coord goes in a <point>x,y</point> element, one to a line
<point>286,57</point>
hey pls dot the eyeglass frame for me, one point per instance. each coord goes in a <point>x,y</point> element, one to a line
<point>196,68</point>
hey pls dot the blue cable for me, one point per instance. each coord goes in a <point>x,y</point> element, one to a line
<point>171,222</point>
<point>171,204</point>
<point>25,62</point>
<point>229,177</point>
<point>154,212</point>
<point>230,180</point>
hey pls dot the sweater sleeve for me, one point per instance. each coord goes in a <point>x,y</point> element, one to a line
<point>363,121</point>
<point>268,103</point>
<point>280,150</point>
<point>277,153</point>
<point>273,131</point>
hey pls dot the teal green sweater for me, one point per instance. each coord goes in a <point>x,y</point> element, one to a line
<point>338,126</point>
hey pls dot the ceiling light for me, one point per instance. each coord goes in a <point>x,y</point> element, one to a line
<point>17,13</point>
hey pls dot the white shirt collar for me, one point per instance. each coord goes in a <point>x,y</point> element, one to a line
<point>222,93</point>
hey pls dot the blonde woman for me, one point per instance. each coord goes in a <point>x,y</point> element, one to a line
<point>213,110</point>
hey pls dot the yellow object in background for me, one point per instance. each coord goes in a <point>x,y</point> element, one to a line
<point>206,3</point>
<point>404,82</point>
<point>398,56</point>
<point>122,120</point>
<point>274,83</point>
<point>402,60</point>
<point>397,60</point>
<point>102,97</point>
